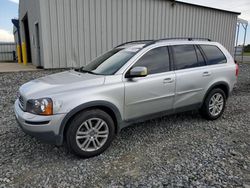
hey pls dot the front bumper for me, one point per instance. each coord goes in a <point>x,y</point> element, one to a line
<point>45,128</point>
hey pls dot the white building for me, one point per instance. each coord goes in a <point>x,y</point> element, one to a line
<point>69,33</point>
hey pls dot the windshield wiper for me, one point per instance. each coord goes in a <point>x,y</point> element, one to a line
<point>85,71</point>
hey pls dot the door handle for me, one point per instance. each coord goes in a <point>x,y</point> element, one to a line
<point>168,80</point>
<point>206,74</point>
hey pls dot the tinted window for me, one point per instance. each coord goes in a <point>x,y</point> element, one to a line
<point>185,57</point>
<point>156,60</point>
<point>200,58</point>
<point>110,62</point>
<point>214,54</point>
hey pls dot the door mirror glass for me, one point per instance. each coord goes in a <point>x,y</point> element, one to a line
<point>138,72</point>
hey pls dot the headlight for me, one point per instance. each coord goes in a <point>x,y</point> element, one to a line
<point>42,106</point>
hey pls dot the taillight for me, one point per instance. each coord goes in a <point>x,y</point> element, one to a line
<point>237,70</point>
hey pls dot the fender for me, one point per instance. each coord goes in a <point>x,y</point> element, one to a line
<point>213,86</point>
<point>89,105</point>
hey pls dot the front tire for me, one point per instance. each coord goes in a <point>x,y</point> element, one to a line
<point>90,133</point>
<point>214,104</point>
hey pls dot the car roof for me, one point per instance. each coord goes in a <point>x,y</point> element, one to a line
<point>168,41</point>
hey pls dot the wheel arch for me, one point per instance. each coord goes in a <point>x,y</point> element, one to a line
<point>222,85</point>
<point>108,107</point>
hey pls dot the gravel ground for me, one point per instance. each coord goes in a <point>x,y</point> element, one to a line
<point>181,150</point>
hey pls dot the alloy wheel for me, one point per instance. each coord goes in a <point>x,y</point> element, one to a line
<point>92,134</point>
<point>216,104</point>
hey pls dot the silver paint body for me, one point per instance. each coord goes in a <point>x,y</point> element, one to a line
<point>133,98</point>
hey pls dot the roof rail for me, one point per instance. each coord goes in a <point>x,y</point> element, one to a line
<point>184,38</point>
<point>135,41</point>
<point>149,42</point>
<point>177,38</point>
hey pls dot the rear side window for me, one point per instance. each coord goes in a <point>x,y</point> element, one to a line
<point>214,54</point>
<point>156,60</point>
<point>200,57</point>
<point>187,56</point>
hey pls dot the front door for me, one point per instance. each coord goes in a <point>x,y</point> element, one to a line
<point>153,93</point>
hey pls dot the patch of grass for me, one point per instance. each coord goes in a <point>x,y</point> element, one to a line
<point>246,54</point>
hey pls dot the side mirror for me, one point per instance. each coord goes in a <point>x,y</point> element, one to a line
<point>137,72</point>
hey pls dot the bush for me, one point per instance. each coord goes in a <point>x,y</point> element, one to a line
<point>247,48</point>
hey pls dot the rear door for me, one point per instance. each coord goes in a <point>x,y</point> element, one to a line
<point>216,63</point>
<point>153,93</point>
<point>191,75</point>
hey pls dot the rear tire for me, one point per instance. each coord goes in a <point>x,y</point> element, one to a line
<point>214,104</point>
<point>90,133</point>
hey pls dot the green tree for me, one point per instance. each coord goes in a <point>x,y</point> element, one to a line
<point>247,48</point>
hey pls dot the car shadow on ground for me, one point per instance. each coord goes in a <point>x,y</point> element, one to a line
<point>129,134</point>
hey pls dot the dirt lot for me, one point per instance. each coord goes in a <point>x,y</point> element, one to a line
<point>182,150</point>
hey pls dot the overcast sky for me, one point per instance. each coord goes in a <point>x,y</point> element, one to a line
<point>9,10</point>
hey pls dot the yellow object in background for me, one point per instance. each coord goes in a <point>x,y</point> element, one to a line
<point>24,52</point>
<point>19,58</point>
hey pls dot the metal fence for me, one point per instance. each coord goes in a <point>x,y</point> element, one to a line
<point>8,51</point>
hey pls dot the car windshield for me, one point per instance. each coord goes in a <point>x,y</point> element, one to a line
<point>110,62</point>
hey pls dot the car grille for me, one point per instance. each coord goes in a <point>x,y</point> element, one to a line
<point>21,102</point>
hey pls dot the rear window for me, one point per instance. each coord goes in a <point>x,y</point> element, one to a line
<point>214,54</point>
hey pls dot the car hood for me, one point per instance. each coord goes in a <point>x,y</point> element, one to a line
<point>60,82</point>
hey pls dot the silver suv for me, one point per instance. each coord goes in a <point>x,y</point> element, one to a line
<point>138,80</point>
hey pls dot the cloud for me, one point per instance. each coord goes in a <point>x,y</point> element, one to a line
<point>6,36</point>
<point>14,1</point>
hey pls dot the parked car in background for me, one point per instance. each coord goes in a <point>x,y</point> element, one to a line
<point>138,80</point>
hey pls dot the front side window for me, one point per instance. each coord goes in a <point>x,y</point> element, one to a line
<point>156,60</point>
<point>186,56</point>
<point>110,62</point>
<point>214,54</point>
